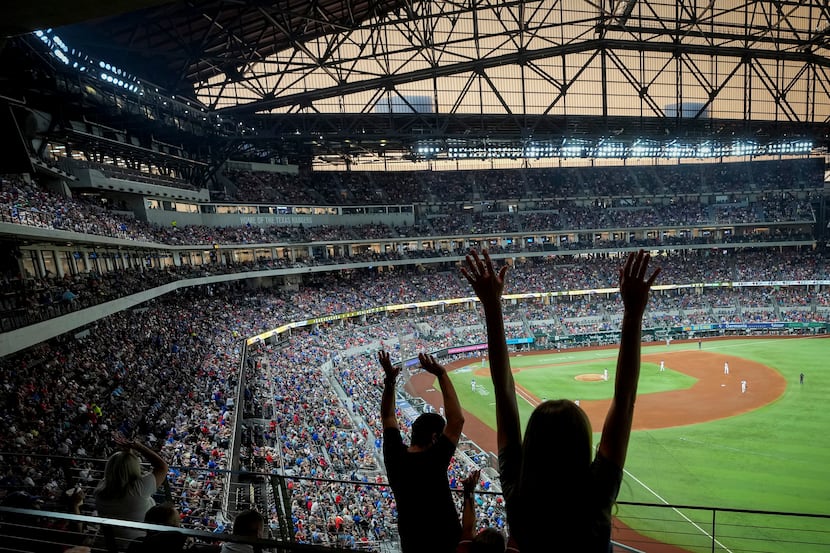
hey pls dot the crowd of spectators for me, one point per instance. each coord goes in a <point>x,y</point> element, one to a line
<point>334,436</point>
<point>356,187</point>
<point>27,204</point>
<point>571,216</point>
<point>314,436</point>
<point>166,374</point>
<point>30,300</point>
<point>162,373</point>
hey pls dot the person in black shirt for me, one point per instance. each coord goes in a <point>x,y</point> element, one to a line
<point>427,520</point>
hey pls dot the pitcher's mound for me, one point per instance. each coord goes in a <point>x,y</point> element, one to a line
<point>588,377</point>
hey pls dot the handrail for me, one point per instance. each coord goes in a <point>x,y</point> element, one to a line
<point>204,536</point>
<point>725,524</point>
<point>238,408</point>
<point>726,509</point>
<point>285,545</point>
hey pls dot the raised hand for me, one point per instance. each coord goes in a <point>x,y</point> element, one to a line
<point>391,373</point>
<point>430,364</point>
<point>486,282</point>
<point>634,286</point>
<point>122,442</point>
<point>76,496</point>
<point>470,482</point>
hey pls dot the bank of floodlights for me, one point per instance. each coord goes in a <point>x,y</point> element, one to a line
<point>675,150</point>
<point>613,148</point>
<point>107,73</point>
<point>645,148</point>
<point>610,149</point>
<point>710,149</point>
<point>745,148</point>
<point>793,147</point>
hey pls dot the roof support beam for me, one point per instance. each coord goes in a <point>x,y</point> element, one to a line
<point>391,81</point>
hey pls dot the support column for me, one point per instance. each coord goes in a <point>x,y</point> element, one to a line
<point>40,265</point>
<point>58,263</point>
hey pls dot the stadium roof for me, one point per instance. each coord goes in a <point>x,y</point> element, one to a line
<point>23,17</point>
<point>181,43</point>
<point>335,74</point>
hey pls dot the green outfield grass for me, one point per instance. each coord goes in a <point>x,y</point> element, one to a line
<point>775,458</point>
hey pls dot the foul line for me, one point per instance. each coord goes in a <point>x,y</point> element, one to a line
<point>687,519</point>
<point>525,396</point>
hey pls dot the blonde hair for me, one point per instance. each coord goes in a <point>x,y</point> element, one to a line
<point>121,474</point>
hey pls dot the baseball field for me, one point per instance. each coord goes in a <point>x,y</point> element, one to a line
<point>700,437</point>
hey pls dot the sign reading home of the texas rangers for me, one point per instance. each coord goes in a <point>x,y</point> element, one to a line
<point>285,220</point>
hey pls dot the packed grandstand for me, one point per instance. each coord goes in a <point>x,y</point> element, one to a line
<point>214,278</point>
<point>170,370</point>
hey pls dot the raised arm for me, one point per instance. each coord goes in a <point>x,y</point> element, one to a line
<point>159,465</point>
<point>488,286</point>
<point>634,288</point>
<point>387,402</point>
<point>452,407</point>
<point>468,514</point>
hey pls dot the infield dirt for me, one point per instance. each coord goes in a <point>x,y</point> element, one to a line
<point>714,396</point>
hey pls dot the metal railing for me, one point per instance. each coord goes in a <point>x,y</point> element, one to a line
<point>36,530</point>
<point>700,529</point>
<point>690,528</point>
<point>638,527</point>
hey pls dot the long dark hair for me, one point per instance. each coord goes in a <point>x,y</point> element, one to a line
<point>554,478</point>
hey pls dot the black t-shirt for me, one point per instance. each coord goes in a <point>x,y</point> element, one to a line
<point>589,529</point>
<point>427,520</point>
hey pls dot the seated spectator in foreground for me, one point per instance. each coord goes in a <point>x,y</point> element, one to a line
<point>427,520</point>
<point>125,493</point>
<point>557,499</point>
<point>247,524</point>
<point>153,542</point>
<point>488,540</point>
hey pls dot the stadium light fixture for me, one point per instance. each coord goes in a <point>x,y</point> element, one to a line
<point>609,148</point>
<point>78,61</point>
